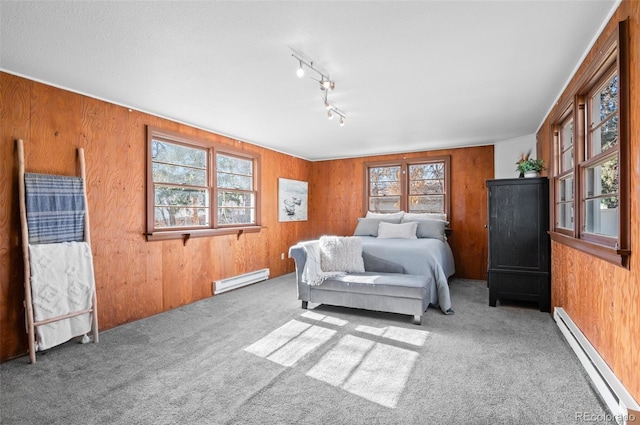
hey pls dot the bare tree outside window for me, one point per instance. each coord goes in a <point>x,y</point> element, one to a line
<point>417,185</point>
<point>198,188</point>
<point>180,185</point>
<point>384,189</point>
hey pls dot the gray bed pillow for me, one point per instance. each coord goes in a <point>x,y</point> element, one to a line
<point>369,226</point>
<point>431,229</point>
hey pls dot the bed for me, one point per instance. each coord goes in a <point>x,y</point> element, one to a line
<point>395,253</point>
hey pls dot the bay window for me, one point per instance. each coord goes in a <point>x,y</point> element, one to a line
<point>591,161</point>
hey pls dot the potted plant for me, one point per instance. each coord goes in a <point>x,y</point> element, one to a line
<point>529,167</point>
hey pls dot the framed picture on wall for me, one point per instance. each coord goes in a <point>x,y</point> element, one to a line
<point>293,198</point>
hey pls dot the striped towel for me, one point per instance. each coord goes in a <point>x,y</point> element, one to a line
<point>55,208</point>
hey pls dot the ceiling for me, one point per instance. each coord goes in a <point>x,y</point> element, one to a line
<point>409,75</point>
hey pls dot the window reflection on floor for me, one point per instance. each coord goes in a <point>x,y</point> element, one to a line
<point>361,366</point>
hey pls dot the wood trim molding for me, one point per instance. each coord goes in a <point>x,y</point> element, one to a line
<point>619,257</point>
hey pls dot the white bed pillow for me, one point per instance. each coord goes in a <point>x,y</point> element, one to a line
<point>397,231</point>
<point>385,216</point>
<point>341,254</point>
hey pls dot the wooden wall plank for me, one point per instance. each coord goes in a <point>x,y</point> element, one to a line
<point>15,115</point>
<point>55,131</point>
<point>471,168</point>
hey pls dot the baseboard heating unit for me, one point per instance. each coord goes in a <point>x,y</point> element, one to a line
<point>224,285</point>
<point>624,409</point>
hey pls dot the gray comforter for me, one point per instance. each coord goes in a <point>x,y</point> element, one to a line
<point>428,257</point>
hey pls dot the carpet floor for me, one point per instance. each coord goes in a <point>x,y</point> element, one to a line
<point>253,356</point>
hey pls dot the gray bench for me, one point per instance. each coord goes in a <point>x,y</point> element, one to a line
<point>378,291</point>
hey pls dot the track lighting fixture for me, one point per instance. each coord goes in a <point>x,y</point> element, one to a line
<point>326,85</point>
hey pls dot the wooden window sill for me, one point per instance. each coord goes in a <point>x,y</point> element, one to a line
<point>187,234</point>
<point>619,257</point>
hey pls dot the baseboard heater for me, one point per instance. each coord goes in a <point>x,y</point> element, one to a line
<point>224,285</point>
<point>624,409</point>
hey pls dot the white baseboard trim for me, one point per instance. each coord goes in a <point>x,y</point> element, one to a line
<point>224,285</point>
<point>622,405</point>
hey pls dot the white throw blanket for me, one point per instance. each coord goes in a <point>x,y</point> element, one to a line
<point>312,273</point>
<point>62,282</point>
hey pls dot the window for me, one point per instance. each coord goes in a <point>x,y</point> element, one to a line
<point>416,185</point>
<point>180,190</point>
<point>591,162</point>
<point>385,188</point>
<point>236,195</point>
<point>185,175</point>
<point>600,168</point>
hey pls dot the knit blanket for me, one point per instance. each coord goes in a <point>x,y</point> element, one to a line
<point>312,273</point>
<point>62,282</point>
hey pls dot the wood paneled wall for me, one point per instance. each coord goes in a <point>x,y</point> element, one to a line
<point>338,200</point>
<point>134,278</point>
<point>601,298</point>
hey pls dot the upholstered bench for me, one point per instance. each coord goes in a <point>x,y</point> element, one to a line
<point>378,291</point>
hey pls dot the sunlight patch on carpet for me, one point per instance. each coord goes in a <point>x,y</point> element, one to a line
<point>322,318</point>
<point>371,370</point>
<point>336,366</point>
<point>409,336</point>
<point>290,342</point>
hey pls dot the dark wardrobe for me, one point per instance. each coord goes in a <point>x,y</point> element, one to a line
<point>519,245</point>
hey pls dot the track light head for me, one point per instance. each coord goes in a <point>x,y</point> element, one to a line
<point>330,114</point>
<point>341,121</point>
<point>327,85</point>
<point>300,71</point>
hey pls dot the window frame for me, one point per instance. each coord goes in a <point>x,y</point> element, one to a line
<point>612,59</point>
<point>404,164</point>
<point>562,173</point>
<point>218,188</point>
<point>213,149</point>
